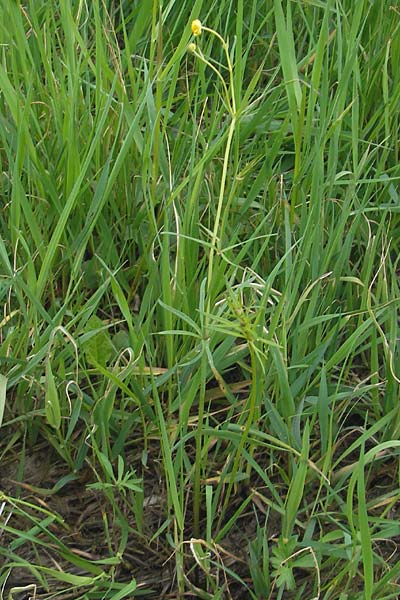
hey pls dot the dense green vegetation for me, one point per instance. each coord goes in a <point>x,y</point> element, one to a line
<point>199,257</point>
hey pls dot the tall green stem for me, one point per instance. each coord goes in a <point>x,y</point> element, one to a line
<point>214,240</point>
<point>199,446</point>
<point>201,442</point>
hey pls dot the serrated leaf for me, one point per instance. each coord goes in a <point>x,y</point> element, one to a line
<point>285,577</point>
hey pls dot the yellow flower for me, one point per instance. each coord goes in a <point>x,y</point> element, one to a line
<point>196,27</point>
<point>191,47</point>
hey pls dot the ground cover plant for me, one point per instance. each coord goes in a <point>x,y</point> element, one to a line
<point>199,250</point>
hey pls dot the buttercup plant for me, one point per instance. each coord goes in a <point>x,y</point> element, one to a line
<point>197,29</point>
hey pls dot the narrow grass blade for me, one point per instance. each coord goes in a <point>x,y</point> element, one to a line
<point>3,391</point>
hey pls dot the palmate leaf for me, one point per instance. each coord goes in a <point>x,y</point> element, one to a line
<point>282,567</point>
<point>285,577</point>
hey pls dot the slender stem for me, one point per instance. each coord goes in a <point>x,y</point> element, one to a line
<point>199,446</point>
<point>200,55</point>
<point>159,86</point>
<point>215,245</point>
<point>214,239</point>
<point>228,60</point>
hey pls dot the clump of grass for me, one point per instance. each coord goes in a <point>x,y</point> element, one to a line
<point>199,335</point>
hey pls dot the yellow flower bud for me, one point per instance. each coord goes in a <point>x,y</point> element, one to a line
<point>192,47</point>
<point>196,27</point>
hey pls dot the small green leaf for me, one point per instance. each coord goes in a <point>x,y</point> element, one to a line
<point>125,591</point>
<point>121,467</point>
<point>285,578</point>
<point>3,389</point>
<point>107,466</point>
<point>76,580</point>
<point>121,340</point>
<point>97,347</point>
<point>52,401</point>
<point>296,488</point>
